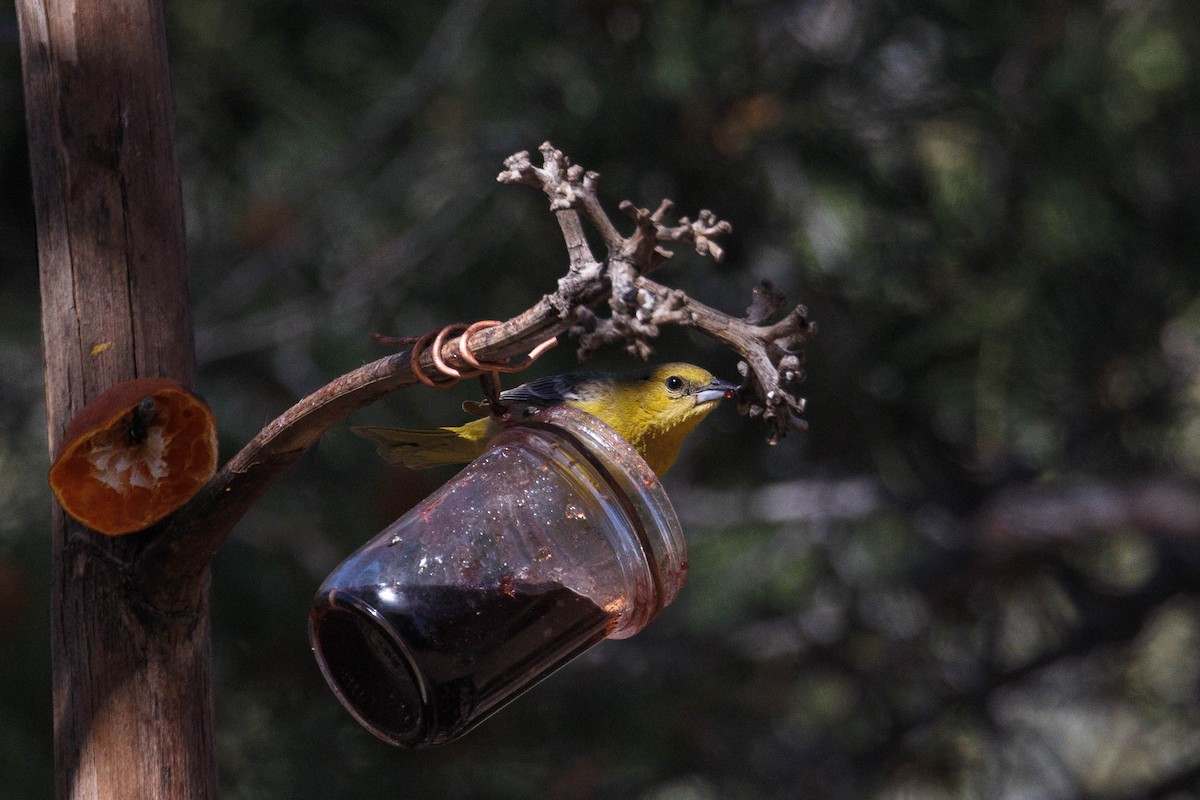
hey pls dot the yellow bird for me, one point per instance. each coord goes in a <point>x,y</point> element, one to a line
<point>653,410</point>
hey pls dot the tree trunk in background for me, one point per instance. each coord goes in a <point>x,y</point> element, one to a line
<point>132,684</point>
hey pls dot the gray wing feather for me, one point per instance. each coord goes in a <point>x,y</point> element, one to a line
<point>550,389</point>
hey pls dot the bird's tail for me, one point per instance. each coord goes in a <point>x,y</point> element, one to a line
<point>422,449</point>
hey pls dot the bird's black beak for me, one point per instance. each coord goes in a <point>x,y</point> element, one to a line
<point>717,390</point>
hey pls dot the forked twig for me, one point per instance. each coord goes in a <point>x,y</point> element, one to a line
<point>638,306</point>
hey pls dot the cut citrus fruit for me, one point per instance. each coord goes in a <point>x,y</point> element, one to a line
<point>135,454</point>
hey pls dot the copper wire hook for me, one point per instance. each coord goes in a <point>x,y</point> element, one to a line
<point>414,359</point>
<point>438,341</point>
<point>465,353</point>
<point>468,355</point>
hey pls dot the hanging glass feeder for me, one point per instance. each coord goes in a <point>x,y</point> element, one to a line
<point>557,537</point>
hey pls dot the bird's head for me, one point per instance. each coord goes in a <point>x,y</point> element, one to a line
<point>654,410</point>
<point>681,393</point>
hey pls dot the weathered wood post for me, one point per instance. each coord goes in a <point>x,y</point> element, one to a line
<point>132,680</point>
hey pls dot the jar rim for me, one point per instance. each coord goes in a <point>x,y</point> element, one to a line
<point>657,526</point>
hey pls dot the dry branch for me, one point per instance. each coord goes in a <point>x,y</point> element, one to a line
<point>639,306</point>
<point>174,563</point>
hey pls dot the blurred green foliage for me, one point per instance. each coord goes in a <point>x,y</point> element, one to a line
<point>975,576</point>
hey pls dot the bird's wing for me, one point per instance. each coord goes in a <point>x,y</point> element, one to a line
<point>543,392</point>
<point>552,389</point>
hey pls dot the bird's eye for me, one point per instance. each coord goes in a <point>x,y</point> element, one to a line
<point>674,383</point>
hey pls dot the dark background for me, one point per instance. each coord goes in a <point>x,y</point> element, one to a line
<point>977,575</point>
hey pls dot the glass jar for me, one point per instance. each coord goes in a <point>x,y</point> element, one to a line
<point>557,537</point>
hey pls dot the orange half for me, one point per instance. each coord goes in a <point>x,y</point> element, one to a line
<point>134,454</point>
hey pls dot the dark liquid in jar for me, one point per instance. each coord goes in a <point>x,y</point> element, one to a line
<point>453,655</point>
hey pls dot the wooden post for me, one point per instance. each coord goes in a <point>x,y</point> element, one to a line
<point>132,681</point>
